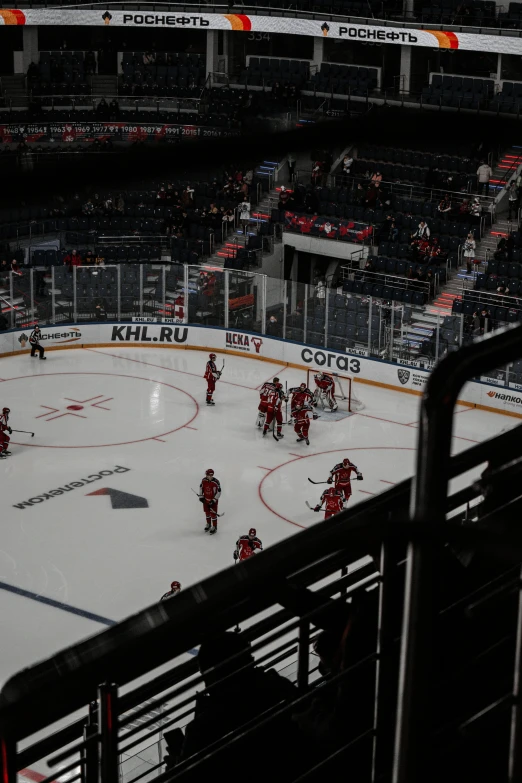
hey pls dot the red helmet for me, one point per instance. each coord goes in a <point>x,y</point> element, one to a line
<point>302,386</point>
<point>346,461</point>
<point>6,410</point>
<point>175,586</point>
<point>212,356</point>
<point>209,472</point>
<point>252,532</point>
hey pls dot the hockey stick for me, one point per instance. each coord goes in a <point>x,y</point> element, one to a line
<point>318,482</point>
<point>312,508</point>
<point>26,432</point>
<point>274,432</point>
<point>286,402</point>
<point>197,493</point>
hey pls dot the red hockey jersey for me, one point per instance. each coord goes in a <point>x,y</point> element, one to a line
<point>210,488</point>
<point>333,500</point>
<point>246,547</point>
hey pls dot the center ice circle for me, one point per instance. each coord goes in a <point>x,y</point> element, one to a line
<point>75,410</point>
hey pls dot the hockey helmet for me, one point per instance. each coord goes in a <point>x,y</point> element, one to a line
<point>346,462</point>
<point>209,472</point>
<point>212,356</point>
<point>276,380</point>
<point>36,328</point>
<point>302,386</point>
<point>252,533</point>
<point>6,410</point>
<point>175,586</point>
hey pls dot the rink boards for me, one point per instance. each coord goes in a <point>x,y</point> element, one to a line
<point>483,394</point>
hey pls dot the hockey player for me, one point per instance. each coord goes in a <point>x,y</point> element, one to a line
<point>212,375</point>
<point>263,400</point>
<point>34,339</point>
<point>4,429</point>
<point>273,409</point>
<point>340,476</point>
<point>301,417</point>
<point>175,588</point>
<point>301,395</point>
<point>332,499</point>
<point>325,390</point>
<point>209,494</point>
<point>246,546</point>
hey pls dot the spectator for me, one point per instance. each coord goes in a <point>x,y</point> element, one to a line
<point>347,167</point>
<point>187,197</point>
<point>320,291</point>
<point>72,259</point>
<point>393,231</point>
<point>422,232</point>
<point>4,269</point>
<point>484,175</point>
<point>89,259</point>
<point>244,212</point>
<point>376,178</point>
<point>317,173</point>
<point>513,199</point>
<point>475,211</point>
<point>114,109</point>
<point>464,211</point>
<point>149,58</point>
<point>291,166</point>
<point>284,198</point>
<point>444,207</point>
<point>102,109</point>
<point>100,311</point>
<point>90,62</point>
<point>482,321</point>
<point>272,327</point>
<point>469,251</point>
<point>238,692</point>
<point>500,252</point>
<point>119,204</point>
<point>15,269</point>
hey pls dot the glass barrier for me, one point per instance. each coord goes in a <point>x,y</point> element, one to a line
<point>409,332</point>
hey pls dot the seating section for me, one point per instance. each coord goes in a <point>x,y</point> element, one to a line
<point>512,18</point>
<point>343,79</point>
<point>502,309</point>
<point>456,12</point>
<point>391,289</point>
<point>270,70</point>
<point>348,324</point>
<point>503,274</point>
<point>314,225</point>
<point>458,91</point>
<point>169,75</point>
<point>509,99</point>
<point>60,73</point>
<point>416,166</point>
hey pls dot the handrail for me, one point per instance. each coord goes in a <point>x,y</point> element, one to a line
<point>428,503</point>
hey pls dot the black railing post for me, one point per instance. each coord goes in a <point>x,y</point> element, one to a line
<point>7,757</point>
<point>303,655</point>
<point>108,734</point>
<point>89,753</point>
<point>428,505</point>
<point>515,744</point>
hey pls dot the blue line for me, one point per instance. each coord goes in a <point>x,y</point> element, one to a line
<point>57,604</point>
<point>97,618</point>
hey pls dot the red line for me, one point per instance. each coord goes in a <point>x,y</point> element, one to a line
<point>385,482</point>
<point>271,377</point>
<point>89,400</point>
<point>170,369</point>
<point>299,456</point>
<point>53,410</point>
<point>190,428</point>
<point>160,440</point>
<point>114,375</point>
<point>30,774</point>
<point>366,492</point>
<point>263,467</point>
<point>65,414</point>
<point>317,454</point>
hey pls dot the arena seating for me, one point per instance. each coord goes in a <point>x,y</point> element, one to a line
<point>459,91</point>
<point>60,73</point>
<point>344,79</point>
<point>509,99</point>
<point>269,70</point>
<point>165,77</point>
<point>502,273</point>
<point>472,12</point>
<point>412,165</point>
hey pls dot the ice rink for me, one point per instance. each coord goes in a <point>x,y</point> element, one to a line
<point>98,516</point>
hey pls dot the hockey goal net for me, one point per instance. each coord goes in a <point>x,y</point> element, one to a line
<point>345,395</point>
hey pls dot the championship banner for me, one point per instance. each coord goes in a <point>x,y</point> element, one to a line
<point>69,132</point>
<point>365,33</point>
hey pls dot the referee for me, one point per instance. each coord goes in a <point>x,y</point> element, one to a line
<point>34,339</point>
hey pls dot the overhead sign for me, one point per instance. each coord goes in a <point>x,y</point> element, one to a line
<point>264,24</point>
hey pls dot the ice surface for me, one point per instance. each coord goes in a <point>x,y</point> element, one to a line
<point>144,409</point>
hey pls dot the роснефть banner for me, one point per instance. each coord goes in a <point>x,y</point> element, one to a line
<point>504,44</point>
